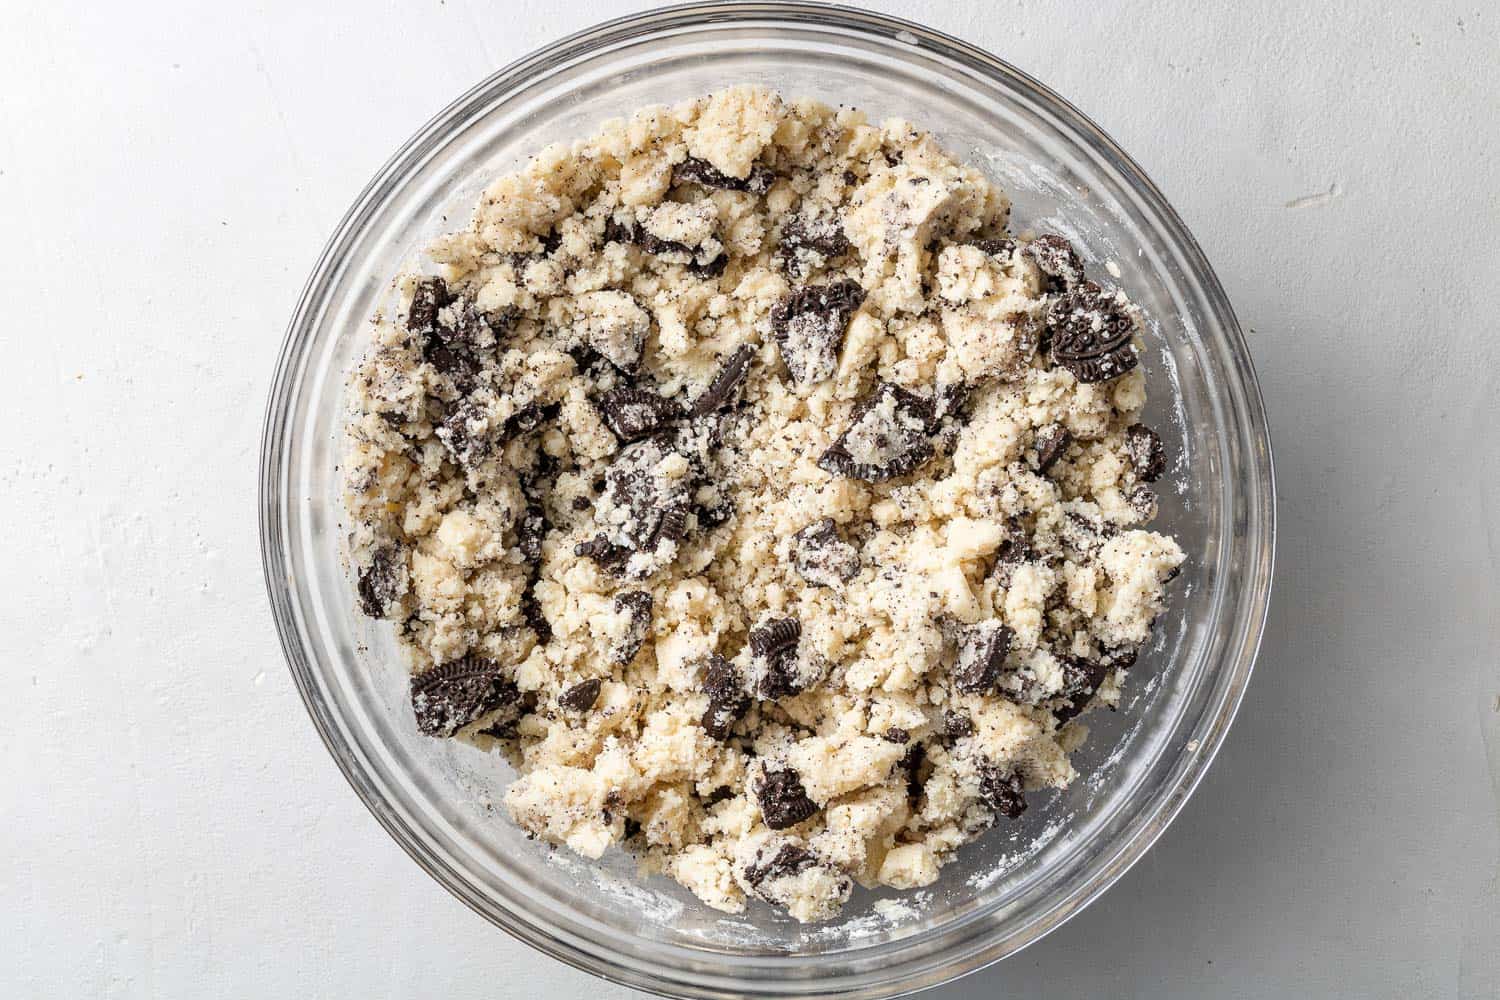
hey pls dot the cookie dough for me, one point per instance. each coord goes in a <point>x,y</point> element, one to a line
<point>773,507</point>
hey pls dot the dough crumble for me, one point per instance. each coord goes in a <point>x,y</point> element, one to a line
<point>771,506</point>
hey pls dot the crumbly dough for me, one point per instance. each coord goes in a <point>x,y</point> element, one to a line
<point>744,481</point>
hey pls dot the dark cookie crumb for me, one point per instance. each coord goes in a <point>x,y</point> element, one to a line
<point>775,644</point>
<point>1013,552</point>
<point>789,859</point>
<point>1081,680</point>
<point>581,696</point>
<point>1147,455</point>
<point>911,763</point>
<point>695,171</point>
<point>889,435</point>
<point>783,800</point>
<point>810,324</point>
<point>957,725</point>
<point>633,413</point>
<point>1091,334</point>
<point>1056,258</point>
<point>430,295</point>
<point>724,385</point>
<point>809,242</point>
<point>449,697</point>
<point>895,734</point>
<point>981,657</point>
<point>822,557</point>
<point>1002,791</point>
<point>1142,501</point>
<point>382,583</point>
<point>727,700</point>
<point>636,604</point>
<point>531,531</point>
<point>1050,444</point>
<point>1001,247</point>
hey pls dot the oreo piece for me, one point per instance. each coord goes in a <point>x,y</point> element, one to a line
<point>809,325</point>
<point>449,697</point>
<point>695,171</point>
<point>1081,680</point>
<point>430,295</point>
<point>637,605</point>
<point>456,350</point>
<point>789,859</point>
<point>957,725</point>
<point>1084,534</point>
<point>382,583</point>
<point>809,242</point>
<point>532,615</point>
<point>530,417</point>
<point>722,389</point>
<point>642,508</point>
<point>895,734</point>
<point>1002,247</point>
<point>783,800</point>
<point>531,530</point>
<point>1014,551</point>
<point>1091,334</point>
<point>889,435</point>
<point>1147,455</point>
<point>1050,443</point>
<point>581,696</point>
<point>911,763</point>
<point>981,657</point>
<point>1002,791</point>
<point>1056,258</point>
<point>1142,501</point>
<point>633,413</point>
<point>727,700</point>
<point>822,557</point>
<point>697,261</point>
<point>774,648</point>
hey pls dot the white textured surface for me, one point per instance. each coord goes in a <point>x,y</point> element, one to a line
<point>171,825</point>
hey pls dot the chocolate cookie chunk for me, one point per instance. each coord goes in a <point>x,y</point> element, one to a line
<point>1091,334</point>
<point>895,734</point>
<point>810,324</point>
<point>725,384</point>
<point>633,413</point>
<point>706,261</point>
<point>1001,247</point>
<point>889,435</point>
<point>727,700</point>
<point>783,800</point>
<point>1142,501</point>
<point>644,506</point>
<point>1048,445</point>
<point>449,697</point>
<point>775,658</point>
<point>1056,258</point>
<point>809,242</point>
<point>981,657</point>
<point>822,557</point>
<point>1013,552</point>
<point>786,859</point>
<point>430,295</point>
<point>1147,455</point>
<point>382,583</point>
<point>957,725</point>
<point>531,531</point>
<point>1081,680</point>
<point>1002,791</point>
<point>695,171</point>
<point>457,349</point>
<point>581,696</point>
<point>636,604</point>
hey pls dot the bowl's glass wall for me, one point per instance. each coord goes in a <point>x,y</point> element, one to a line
<point>442,800</point>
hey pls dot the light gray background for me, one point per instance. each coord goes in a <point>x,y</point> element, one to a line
<point>169,822</point>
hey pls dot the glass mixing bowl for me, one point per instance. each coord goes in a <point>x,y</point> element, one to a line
<point>441,800</point>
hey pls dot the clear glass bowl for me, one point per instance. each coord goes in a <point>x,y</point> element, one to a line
<point>440,800</point>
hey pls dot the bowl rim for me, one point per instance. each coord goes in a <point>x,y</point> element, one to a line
<point>1250,625</point>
